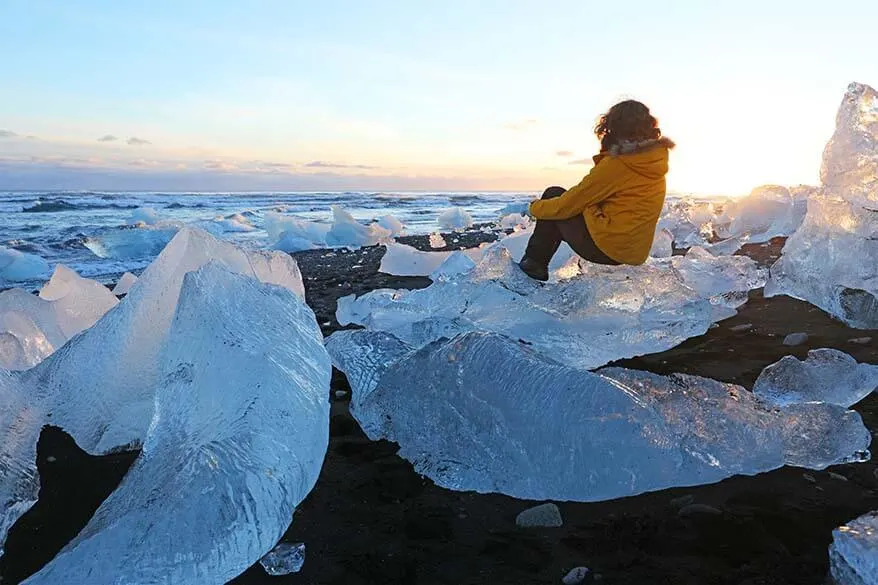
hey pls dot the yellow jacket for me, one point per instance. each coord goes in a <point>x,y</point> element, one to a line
<point>621,199</point>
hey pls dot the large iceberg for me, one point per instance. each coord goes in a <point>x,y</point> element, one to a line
<point>832,259</point>
<point>100,387</point>
<point>596,315</point>
<point>33,327</point>
<point>486,413</point>
<point>853,554</point>
<point>237,441</point>
<point>827,375</point>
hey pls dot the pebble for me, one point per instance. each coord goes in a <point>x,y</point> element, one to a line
<point>837,476</point>
<point>809,477</point>
<point>742,327</point>
<point>542,516</point>
<point>860,340</point>
<point>698,509</point>
<point>683,501</point>
<point>795,339</point>
<point>576,576</point>
<point>340,393</point>
<point>51,459</point>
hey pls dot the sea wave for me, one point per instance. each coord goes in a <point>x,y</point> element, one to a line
<point>59,205</point>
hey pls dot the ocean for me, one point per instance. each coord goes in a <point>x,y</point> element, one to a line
<point>69,227</point>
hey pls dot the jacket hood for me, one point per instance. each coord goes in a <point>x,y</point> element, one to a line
<point>648,158</point>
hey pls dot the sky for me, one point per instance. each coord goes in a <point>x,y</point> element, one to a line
<point>343,95</point>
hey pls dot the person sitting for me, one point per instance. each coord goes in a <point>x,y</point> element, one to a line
<point>611,215</point>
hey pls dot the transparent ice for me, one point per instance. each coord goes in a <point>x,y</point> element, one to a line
<point>662,244</point>
<point>292,235</point>
<point>455,218</point>
<point>596,315</point>
<point>100,387</point>
<point>237,441</point>
<point>132,242</point>
<point>347,232</point>
<point>79,302</point>
<point>767,212</point>
<point>827,375</point>
<point>487,413</point>
<point>391,224</point>
<point>853,554</point>
<point>284,559</point>
<point>832,259</point>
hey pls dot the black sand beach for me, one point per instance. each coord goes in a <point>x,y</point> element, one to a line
<point>371,519</point>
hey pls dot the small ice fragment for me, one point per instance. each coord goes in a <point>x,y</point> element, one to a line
<point>455,218</point>
<point>340,393</point>
<point>513,221</point>
<point>741,327</point>
<point>457,263</point>
<point>543,516</point>
<point>853,554</point>
<point>860,340</point>
<point>827,375</point>
<point>794,339</point>
<point>576,576</point>
<point>436,240</point>
<point>284,559</point>
<point>391,224</point>
<point>144,215</point>
<point>126,281</point>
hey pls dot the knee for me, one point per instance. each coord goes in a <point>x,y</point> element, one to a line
<point>553,192</point>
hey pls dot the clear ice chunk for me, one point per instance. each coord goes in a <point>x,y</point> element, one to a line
<point>662,244</point>
<point>831,261</point>
<point>853,554</point>
<point>486,413</point>
<point>18,266</point>
<point>131,243</point>
<point>827,375</point>
<point>455,218</point>
<point>392,224</point>
<point>768,211</point>
<point>597,315</point>
<point>237,440</point>
<point>347,232</point>
<point>100,386</point>
<point>284,559</point>
<point>436,240</point>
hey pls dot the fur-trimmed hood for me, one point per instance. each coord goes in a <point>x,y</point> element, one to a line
<point>648,158</point>
<point>632,147</point>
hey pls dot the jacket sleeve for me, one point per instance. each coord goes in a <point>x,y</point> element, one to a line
<point>601,182</point>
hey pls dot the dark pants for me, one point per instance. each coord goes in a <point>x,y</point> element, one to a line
<point>549,233</point>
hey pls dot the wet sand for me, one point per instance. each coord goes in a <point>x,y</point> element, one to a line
<point>371,519</point>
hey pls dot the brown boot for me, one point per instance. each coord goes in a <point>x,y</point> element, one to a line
<point>534,269</point>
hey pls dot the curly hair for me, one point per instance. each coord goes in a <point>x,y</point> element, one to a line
<point>628,121</point>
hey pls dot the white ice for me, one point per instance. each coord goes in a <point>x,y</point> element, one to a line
<point>827,375</point>
<point>391,224</point>
<point>237,441</point>
<point>292,235</point>
<point>405,260</point>
<point>832,259</point>
<point>100,386</point>
<point>34,327</point>
<point>437,241</point>
<point>483,412</point>
<point>16,266</point>
<point>853,554</point>
<point>514,220</point>
<point>126,281</point>
<point>596,315</point>
<point>455,218</point>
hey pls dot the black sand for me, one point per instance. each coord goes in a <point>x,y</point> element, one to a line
<point>371,519</point>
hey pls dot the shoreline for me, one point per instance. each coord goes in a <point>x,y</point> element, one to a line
<point>372,519</point>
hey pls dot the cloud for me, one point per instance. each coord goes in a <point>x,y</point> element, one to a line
<point>319,164</point>
<point>135,141</point>
<point>219,165</point>
<point>564,153</point>
<point>7,134</point>
<point>110,138</point>
<point>581,161</point>
<point>522,125</point>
